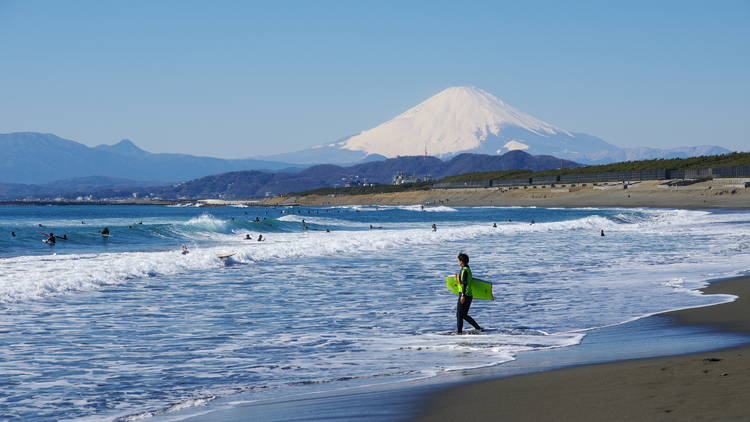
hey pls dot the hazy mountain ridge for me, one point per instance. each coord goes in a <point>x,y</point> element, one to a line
<point>254,184</point>
<point>34,158</point>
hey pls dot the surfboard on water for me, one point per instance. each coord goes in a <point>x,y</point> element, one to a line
<point>225,255</point>
<point>480,289</point>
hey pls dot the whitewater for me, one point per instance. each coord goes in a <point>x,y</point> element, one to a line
<point>129,328</point>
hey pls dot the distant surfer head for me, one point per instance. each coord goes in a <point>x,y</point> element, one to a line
<point>463,259</point>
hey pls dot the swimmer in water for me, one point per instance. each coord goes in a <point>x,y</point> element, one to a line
<point>51,239</point>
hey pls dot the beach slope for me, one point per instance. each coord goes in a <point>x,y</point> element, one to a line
<point>708,386</point>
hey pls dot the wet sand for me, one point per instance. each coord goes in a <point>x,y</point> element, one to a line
<point>708,386</point>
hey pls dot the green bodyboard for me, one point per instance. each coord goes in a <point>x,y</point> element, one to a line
<point>480,289</point>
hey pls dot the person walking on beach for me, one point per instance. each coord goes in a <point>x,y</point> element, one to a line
<point>465,297</point>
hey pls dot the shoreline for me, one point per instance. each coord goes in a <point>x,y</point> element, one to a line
<point>713,385</point>
<point>665,339</point>
<point>647,194</point>
<point>711,194</point>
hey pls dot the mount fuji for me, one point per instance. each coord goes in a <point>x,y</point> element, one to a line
<point>467,119</point>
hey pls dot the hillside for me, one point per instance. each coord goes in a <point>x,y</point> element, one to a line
<point>255,184</point>
<point>711,161</point>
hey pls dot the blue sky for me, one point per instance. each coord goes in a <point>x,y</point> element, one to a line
<point>238,79</point>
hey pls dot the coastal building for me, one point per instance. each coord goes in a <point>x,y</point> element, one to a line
<point>400,178</point>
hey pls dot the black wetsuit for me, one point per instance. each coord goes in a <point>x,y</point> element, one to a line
<point>462,309</point>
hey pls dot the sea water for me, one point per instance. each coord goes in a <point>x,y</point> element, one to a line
<point>127,327</point>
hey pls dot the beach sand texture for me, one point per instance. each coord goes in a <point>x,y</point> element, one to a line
<point>709,386</point>
<point>711,194</point>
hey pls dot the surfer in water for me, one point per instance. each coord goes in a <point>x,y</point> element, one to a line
<point>260,238</point>
<point>51,239</point>
<point>465,298</point>
<point>247,237</point>
<point>434,227</point>
<point>105,231</point>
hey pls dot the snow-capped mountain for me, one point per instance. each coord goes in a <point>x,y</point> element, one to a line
<point>468,119</point>
<point>456,119</point>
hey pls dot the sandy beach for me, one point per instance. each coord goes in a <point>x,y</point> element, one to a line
<point>719,193</point>
<point>709,386</point>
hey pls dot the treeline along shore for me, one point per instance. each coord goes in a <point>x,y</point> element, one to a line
<point>680,176</point>
<point>698,182</point>
<point>684,183</point>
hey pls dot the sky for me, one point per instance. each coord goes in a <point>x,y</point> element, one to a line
<point>239,79</point>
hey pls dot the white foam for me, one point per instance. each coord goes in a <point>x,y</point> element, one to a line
<point>32,277</point>
<point>207,222</point>
<point>421,208</point>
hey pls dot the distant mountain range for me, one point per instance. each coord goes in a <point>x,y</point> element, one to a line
<point>33,158</point>
<point>457,120</point>
<point>254,184</point>
<point>258,184</point>
<point>467,119</point>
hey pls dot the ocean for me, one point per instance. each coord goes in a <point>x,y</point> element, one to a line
<point>129,328</point>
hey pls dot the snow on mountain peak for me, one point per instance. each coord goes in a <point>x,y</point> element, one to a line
<point>455,119</point>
